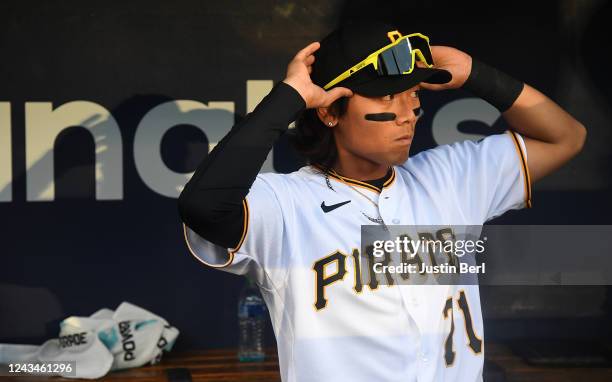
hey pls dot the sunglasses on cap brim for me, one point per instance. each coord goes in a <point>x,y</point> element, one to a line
<point>399,57</point>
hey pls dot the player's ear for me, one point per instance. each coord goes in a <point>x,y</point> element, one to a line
<point>326,116</point>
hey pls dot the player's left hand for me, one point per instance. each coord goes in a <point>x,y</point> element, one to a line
<point>458,63</point>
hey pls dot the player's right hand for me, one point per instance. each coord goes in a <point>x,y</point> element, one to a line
<point>298,77</point>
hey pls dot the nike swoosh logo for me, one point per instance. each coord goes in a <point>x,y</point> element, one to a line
<point>326,209</point>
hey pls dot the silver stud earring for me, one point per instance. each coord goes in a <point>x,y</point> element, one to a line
<point>329,123</point>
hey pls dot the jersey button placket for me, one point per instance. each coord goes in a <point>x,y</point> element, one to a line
<point>383,201</point>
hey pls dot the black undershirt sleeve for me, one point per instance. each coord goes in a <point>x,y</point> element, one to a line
<point>211,202</point>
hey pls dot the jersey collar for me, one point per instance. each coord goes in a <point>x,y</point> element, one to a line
<point>390,178</point>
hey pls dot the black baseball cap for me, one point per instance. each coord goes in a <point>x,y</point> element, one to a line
<point>353,42</point>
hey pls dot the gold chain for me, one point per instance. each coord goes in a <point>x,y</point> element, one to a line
<point>364,195</point>
<point>379,219</point>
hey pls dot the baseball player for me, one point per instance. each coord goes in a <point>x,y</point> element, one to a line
<point>355,96</point>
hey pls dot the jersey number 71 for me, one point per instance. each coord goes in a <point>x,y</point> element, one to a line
<point>474,343</point>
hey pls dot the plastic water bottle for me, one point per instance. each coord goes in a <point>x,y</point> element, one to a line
<point>252,315</point>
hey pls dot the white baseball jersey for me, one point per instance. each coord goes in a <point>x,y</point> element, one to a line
<point>328,320</point>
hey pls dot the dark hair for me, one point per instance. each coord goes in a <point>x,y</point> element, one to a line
<point>313,139</point>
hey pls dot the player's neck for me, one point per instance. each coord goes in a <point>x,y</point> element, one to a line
<point>362,170</point>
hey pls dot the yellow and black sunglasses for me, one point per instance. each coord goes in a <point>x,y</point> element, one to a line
<point>399,57</point>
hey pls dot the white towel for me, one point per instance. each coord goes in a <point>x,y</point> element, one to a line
<point>107,340</point>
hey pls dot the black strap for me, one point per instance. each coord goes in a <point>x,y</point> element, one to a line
<point>494,86</point>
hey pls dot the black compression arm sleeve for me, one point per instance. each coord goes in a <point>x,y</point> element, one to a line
<point>211,202</point>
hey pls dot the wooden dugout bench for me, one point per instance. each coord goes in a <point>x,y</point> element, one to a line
<point>222,366</point>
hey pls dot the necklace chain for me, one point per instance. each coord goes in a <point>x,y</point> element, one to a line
<point>377,220</point>
<point>364,195</point>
